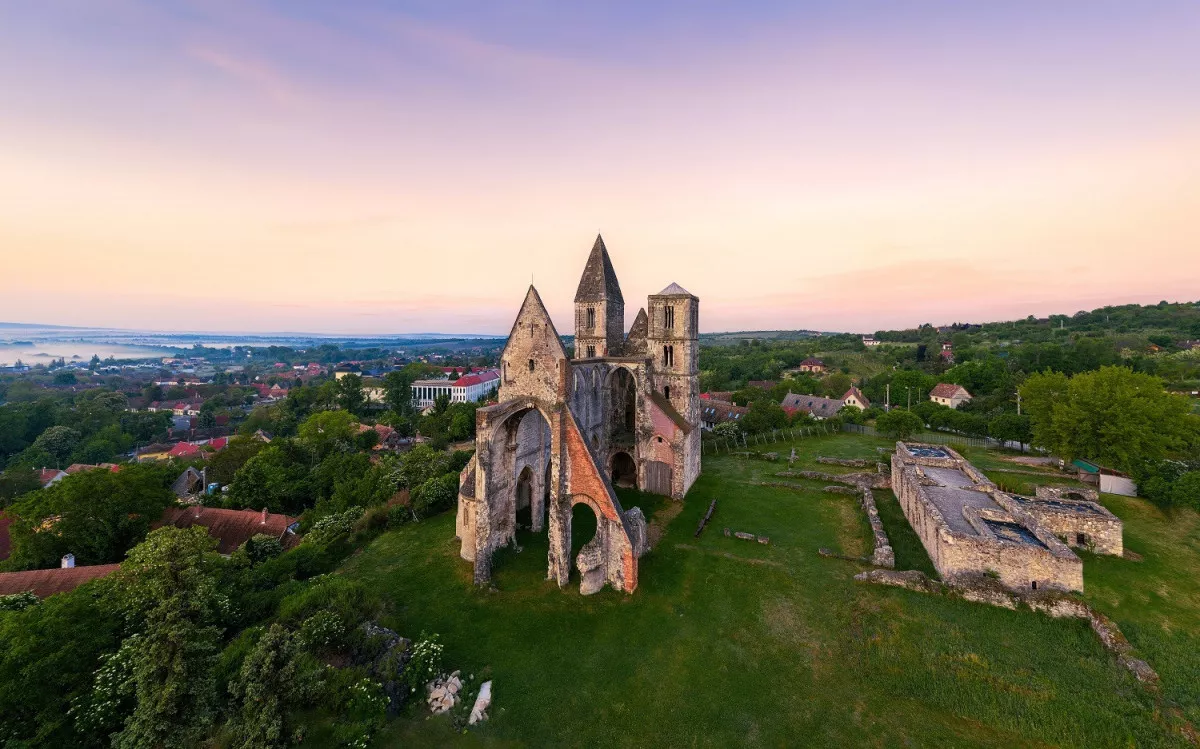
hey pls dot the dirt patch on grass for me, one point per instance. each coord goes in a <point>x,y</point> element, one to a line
<point>735,557</point>
<point>786,623</point>
<point>660,521</point>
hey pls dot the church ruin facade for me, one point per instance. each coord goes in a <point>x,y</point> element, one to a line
<point>624,410</point>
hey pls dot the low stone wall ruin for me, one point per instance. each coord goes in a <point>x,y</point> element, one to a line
<point>970,545</point>
<point>981,589</point>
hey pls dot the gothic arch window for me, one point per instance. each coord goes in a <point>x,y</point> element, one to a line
<point>591,318</point>
<point>669,317</point>
<point>667,391</point>
<point>591,350</point>
<point>668,357</point>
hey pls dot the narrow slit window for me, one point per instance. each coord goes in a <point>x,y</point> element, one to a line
<point>669,318</point>
<point>531,365</point>
<point>591,318</point>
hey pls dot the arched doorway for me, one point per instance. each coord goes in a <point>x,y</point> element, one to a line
<point>624,471</point>
<point>524,499</point>
<point>622,398</point>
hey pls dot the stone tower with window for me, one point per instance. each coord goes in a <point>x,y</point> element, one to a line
<point>599,307</point>
<point>622,412</point>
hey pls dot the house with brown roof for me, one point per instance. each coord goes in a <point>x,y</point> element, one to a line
<point>949,394</point>
<point>811,364</point>
<point>232,528</point>
<point>44,583</point>
<point>713,412</point>
<point>813,405</point>
<point>854,397</point>
<point>50,476</point>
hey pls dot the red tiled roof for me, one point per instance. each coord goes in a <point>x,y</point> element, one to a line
<point>46,475</point>
<point>948,390</point>
<point>218,443</point>
<point>475,379</point>
<point>184,450</point>
<point>231,528</point>
<point>857,394</point>
<point>44,583</point>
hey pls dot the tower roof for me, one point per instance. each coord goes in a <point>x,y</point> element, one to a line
<point>674,290</point>
<point>599,280</point>
<point>533,310</point>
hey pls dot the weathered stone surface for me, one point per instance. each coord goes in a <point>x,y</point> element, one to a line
<point>908,579</point>
<point>969,528</point>
<point>565,428</point>
<point>851,462</point>
<point>482,703</point>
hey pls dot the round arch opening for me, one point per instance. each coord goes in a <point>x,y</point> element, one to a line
<point>624,471</point>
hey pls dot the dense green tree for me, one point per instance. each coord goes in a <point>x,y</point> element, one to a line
<point>1010,427</point>
<point>350,394</point>
<point>277,478</point>
<point>899,424</point>
<point>170,596</point>
<point>275,678</point>
<point>48,653</point>
<point>223,465</point>
<point>95,515</point>
<point>59,442</point>
<point>328,430</point>
<point>1114,415</point>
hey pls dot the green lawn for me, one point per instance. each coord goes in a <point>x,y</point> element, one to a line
<point>729,642</point>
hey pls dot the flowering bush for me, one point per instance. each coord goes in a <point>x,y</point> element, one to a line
<point>425,664</point>
<point>330,527</point>
<point>322,629</point>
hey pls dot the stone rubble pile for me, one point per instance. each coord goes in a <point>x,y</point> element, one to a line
<point>444,693</point>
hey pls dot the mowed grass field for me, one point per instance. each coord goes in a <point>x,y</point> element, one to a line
<point>731,643</point>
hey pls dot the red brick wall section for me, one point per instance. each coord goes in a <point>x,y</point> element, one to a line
<point>585,478</point>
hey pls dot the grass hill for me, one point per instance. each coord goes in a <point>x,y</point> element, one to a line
<point>729,642</point>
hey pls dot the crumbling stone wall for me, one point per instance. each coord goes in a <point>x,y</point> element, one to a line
<point>956,553</point>
<point>1075,516</point>
<point>569,416</point>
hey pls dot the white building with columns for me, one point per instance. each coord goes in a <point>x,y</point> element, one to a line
<point>466,389</point>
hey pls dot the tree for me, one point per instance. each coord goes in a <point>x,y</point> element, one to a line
<point>277,478</point>
<point>275,678</point>
<point>1010,427</point>
<point>421,464</point>
<point>899,424</point>
<point>224,465</point>
<point>1114,415</point>
<point>95,515</point>
<point>168,591</point>
<point>325,430</point>
<point>152,392</point>
<point>836,384</point>
<point>58,441</point>
<point>398,391</point>
<point>350,394</point>
<point>49,654</point>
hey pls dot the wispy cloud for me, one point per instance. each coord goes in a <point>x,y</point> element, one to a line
<point>255,74</point>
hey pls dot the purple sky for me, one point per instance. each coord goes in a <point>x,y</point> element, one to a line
<point>401,167</point>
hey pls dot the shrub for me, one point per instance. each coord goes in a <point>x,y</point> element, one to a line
<point>425,664</point>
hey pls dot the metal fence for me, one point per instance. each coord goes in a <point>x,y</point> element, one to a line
<point>941,438</point>
<point>745,441</point>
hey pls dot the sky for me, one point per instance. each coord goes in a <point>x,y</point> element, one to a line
<point>402,167</point>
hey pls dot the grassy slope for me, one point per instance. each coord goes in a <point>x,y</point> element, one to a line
<point>728,642</point>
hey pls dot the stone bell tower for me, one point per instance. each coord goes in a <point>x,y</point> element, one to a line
<point>673,343</point>
<point>599,307</point>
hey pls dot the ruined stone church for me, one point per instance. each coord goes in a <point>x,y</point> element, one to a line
<point>624,410</point>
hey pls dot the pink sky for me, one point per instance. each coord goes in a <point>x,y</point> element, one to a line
<point>373,168</point>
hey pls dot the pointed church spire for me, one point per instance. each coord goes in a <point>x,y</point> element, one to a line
<point>599,280</point>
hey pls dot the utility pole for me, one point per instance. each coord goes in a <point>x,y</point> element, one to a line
<point>887,399</point>
<point>909,390</point>
<point>1018,403</point>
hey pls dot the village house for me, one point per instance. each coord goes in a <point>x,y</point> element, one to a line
<point>814,405</point>
<point>815,366</point>
<point>43,583</point>
<point>854,397</point>
<point>714,412</point>
<point>48,476</point>
<point>232,528</point>
<point>870,341</point>
<point>949,394</point>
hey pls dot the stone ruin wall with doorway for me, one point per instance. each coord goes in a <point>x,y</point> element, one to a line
<point>565,429</point>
